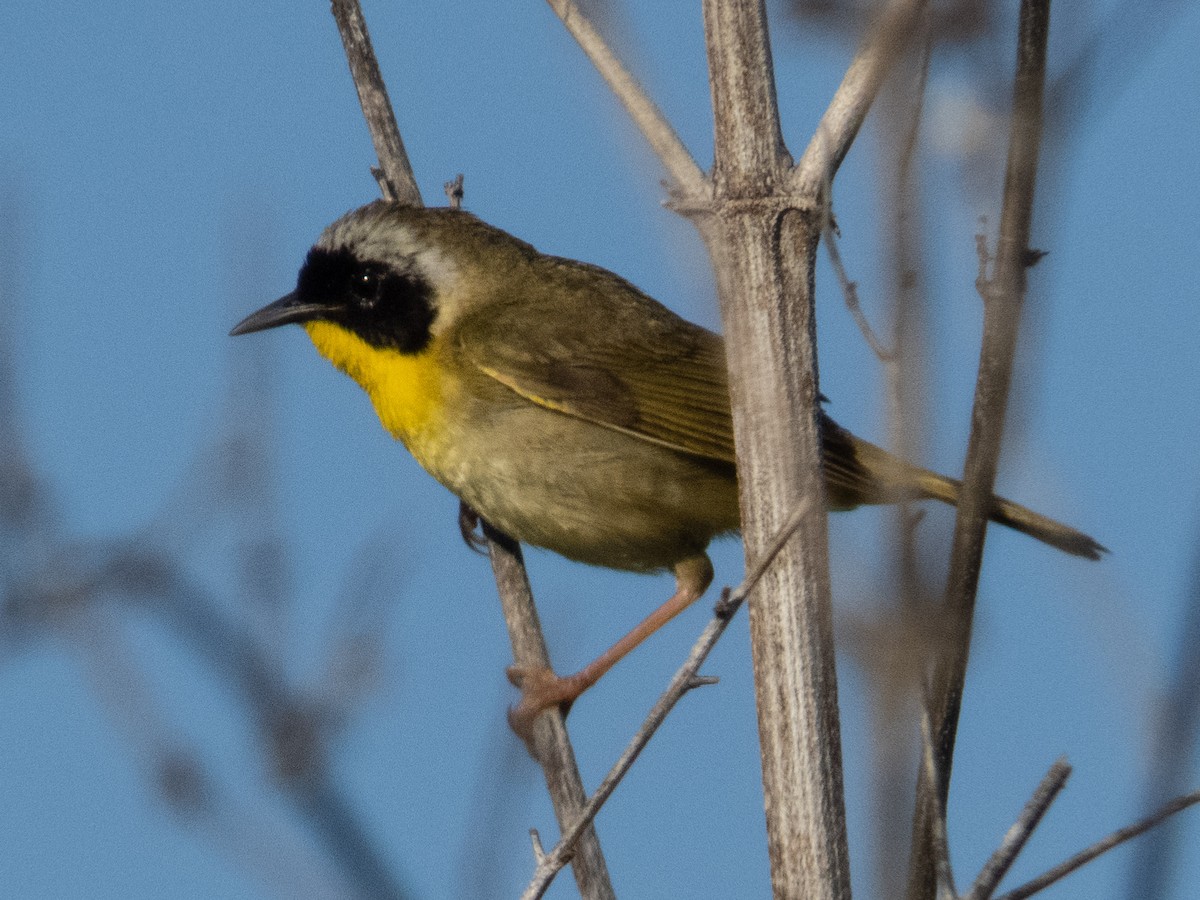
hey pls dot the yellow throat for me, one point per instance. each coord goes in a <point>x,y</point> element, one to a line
<point>406,388</point>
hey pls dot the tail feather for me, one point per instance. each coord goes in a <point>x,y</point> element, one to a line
<point>858,472</point>
<point>1018,517</point>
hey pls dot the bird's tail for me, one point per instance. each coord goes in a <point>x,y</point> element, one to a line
<point>857,472</point>
<point>1014,515</point>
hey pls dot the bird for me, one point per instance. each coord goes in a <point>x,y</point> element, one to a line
<point>562,404</point>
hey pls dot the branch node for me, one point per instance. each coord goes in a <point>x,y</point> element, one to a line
<point>724,608</point>
<point>982,252</point>
<point>386,189</point>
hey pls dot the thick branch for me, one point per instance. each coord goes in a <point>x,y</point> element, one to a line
<point>763,253</point>
<point>749,157</point>
<point>1003,298</point>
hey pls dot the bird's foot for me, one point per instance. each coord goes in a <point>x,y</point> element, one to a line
<point>468,522</point>
<point>540,690</point>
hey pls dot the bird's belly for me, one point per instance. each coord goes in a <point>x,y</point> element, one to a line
<point>587,492</point>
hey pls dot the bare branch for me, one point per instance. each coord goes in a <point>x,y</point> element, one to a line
<point>690,180</point>
<point>395,175</point>
<point>850,296</point>
<point>1103,846</point>
<point>1014,842</point>
<point>549,743</point>
<point>1004,298</point>
<point>685,679</point>
<point>850,105</point>
<point>749,154</point>
<point>763,241</point>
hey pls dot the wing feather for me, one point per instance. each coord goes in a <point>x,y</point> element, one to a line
<point>606,353</point>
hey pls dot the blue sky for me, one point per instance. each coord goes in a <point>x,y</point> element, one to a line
<point>163,169</point>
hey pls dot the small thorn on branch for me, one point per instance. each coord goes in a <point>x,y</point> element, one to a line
<point>454,191</point>
<point>1032,256</point>
<point>724,608</point>
<point>702,681</point>
<point>982,253</point>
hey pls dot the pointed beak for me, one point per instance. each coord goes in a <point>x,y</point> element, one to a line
<point>287,309</point>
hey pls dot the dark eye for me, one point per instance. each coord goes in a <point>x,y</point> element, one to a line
<point>366,284</point>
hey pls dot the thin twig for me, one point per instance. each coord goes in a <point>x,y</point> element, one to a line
<point>690,180</point>
<point>395,174</point>
<point>685,679</point>
<point>1014,841</point>
<point>850,296</point>
<point>1103,846</point>
<point>1004,297</point>
<point>852,101</point>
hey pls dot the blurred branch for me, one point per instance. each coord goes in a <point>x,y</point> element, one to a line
<point>1171,748</point>
<point>956,20</point>
<point>1118,47</point>
<point>295,731</point>
<point>1003,297</point>
<point>26,516</point>
<point>685,679</point>
<point>899,118</point>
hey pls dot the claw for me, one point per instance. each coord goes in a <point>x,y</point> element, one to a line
<point>468,521</point>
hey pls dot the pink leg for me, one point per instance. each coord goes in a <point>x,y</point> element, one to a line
<point>542,689</point>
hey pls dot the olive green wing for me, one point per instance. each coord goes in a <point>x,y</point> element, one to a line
<point>590,345</point>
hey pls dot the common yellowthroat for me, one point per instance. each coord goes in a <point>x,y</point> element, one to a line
<point>566,407</point>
